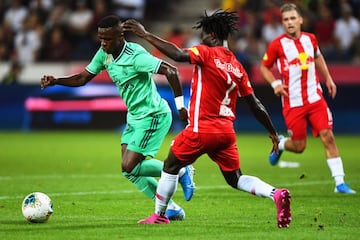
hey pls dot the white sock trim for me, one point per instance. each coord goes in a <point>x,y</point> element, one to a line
<point>336,169</point>
<point>282,143</point>
<point>165,190</point>
<point>182,172</point>
<point>255,186</point>
<point>336,166</point>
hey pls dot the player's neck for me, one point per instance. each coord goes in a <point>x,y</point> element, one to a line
<point>118,50</point>
<point>295,35</point>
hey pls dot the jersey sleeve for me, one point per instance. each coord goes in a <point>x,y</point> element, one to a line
<point>315,44</point>
<point>197,54</point>
<point>270,55</point>
<point>97,63</point>
<point>145,62</point>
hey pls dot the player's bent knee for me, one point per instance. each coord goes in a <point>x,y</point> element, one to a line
<point>300,149</point>
<point>126,168</point>
<point>299,146</point>
<point>132,168</point>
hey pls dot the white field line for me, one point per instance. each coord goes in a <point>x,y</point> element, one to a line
<point>8,178</point>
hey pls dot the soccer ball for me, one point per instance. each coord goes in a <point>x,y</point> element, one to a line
<point>37,207</point>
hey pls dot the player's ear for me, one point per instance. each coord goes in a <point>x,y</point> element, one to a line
<point>301,19</point>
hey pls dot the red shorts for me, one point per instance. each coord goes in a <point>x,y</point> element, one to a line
<point>220,147</point>
<point>317,115</point>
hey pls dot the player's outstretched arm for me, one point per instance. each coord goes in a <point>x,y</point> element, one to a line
<point>260,113</point>
<point>166,47</point>
<point>75,80</point>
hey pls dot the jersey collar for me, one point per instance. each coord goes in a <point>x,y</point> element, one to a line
<point>121,53</point>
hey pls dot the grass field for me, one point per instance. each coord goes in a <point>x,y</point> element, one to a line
<point>80,171</point>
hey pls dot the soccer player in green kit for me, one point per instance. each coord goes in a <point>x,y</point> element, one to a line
<point>149,116</point>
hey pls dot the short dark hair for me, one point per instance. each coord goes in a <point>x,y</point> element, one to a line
<point>221,23</point>
<point>289,7</point>
<point>109,22</point>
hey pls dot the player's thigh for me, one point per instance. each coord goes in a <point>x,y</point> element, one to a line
<point>223,150</point>
<point>296,122</point>
<point>187,147</point>
<point>145,136</point>
<point>320,118</point>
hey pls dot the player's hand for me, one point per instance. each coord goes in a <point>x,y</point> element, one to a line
<point>47,81</point>
<point>331,88</point>
<point>183,114</point>
<point>280,90</point>
<point>135,27</point>
<point>275,140</point>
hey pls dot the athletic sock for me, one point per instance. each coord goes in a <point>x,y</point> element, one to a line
<point>255,186</point>
<point>336,169</point>
<point>181,172</point>
<point>282,143</point>
<point>166,188</point>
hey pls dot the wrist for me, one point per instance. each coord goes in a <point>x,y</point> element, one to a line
<point>179,102</point>
<point>147,36</point>
<point>276,83</point>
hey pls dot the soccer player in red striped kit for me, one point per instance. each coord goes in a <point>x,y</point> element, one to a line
<point>218,80</point>
<point>298,58</point>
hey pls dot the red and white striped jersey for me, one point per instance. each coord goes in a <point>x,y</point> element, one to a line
<point>218,79</point>
<point>295,59</point>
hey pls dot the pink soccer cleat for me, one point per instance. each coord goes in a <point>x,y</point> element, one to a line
<point>155,219</point>
<point>282,201</point>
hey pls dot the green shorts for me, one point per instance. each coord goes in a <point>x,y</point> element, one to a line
<point>145,136</point>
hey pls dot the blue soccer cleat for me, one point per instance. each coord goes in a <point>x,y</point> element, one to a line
<point>187,182</point>
<point>177,215</point>
<point>344,188</point>
<point>273,158</point>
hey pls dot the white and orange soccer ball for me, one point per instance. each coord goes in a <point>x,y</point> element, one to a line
<point>37,207</point>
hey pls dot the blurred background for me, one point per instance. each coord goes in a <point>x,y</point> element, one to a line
<point>58,37</point>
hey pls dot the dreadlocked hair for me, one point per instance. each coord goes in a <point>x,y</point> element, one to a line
<point>221,23</point>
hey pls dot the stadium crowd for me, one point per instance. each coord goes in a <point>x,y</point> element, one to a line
<point>63,30</point>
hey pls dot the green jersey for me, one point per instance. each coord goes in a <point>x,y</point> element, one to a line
<point>132,73</point>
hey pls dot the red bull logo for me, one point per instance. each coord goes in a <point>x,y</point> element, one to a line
<point>228,67</point>
<point>302,61</point>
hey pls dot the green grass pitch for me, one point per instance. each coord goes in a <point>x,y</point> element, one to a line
<point>80,171</point>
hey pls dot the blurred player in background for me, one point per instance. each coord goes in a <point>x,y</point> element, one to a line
<point>297,55</point>
<point>149,116</point>
<point>218,80</point>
